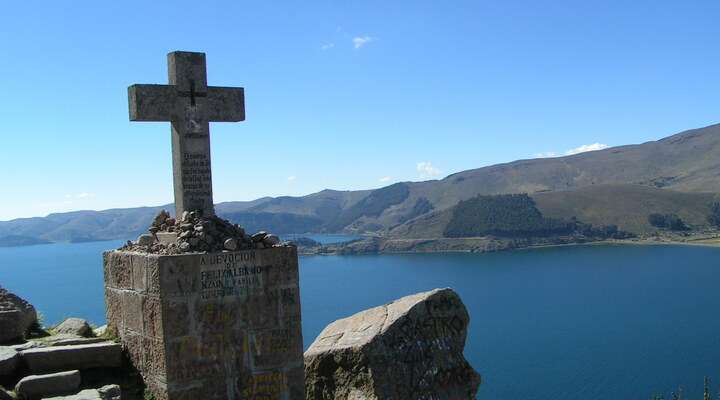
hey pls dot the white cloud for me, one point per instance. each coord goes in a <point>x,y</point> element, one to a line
<point>427,170</point>
<point>327,46</point>
<point>292,178</point>
<point>361,41</point>
<point>385,179</point>
<point>586,147</point>
<point>83,195</point>
<point>582,149</point>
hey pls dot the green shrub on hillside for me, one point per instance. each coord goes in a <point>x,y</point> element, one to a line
<point>511,215</point>
<point>714,217</point>
<point>667,221</point>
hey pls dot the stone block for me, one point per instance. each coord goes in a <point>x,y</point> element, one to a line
<point>152,317</point>
<point>118,270</point>
<point>176,318</point>
<point>109,392</point>
<point>139,273</point>
<point>8,361</point>
<point>153,358</point>
<point>153,275</point>
<point>132,315</point>
<point>37,386</point>
<point>210,320</point>
<point>272,385</point>
<point>167,237</point>
<point>284,262</point>
<point>157,387</point>
<point>133,345</point>
<point>113,310</point>
<point>274,348</point>
<point>296,374</point>
<point>97,355</point>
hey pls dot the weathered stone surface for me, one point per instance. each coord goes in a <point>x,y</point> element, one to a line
<point>67,340</point>
<point>97,355</point>
<point>100,330</point>
<point>74,326</point>
<point>109,392</point>
<point>30,344</point>
<point>17,316</point>
<point>230,244</point>
<point>215,326</point>
<point>258,237</point>
<point>271,240</point>
<point>145,239</point>
<point>38,386</point>
<point>8,361</point>
<point>196,233</point>
<point>408,349</point>
<point>190,104</point>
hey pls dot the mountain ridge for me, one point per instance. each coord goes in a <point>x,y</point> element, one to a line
<point>687,162</point>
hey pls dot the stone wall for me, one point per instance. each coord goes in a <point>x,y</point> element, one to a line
<point>209,326</point>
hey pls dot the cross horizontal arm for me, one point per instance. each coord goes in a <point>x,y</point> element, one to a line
<point>151,102</point>
<point>225,104</point>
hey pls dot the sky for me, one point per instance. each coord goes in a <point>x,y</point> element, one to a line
<point>340,94</point>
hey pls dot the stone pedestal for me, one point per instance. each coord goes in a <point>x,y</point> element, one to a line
<point>210,326</point>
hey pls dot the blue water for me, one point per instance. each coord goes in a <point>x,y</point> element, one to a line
<point>594,322</point>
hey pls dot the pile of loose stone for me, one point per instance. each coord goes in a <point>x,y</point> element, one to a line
<point>197,233</point>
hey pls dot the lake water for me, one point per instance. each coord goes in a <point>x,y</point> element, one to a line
<point>591,322</point>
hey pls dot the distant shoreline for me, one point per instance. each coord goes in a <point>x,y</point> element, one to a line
<point>380,245</point>
<point>462,245</point>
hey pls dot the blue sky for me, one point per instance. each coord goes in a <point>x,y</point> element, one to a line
<point>340,94</point>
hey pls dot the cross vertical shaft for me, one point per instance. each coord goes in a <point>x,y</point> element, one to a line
<point>192,176</point>
<point>190,105</point>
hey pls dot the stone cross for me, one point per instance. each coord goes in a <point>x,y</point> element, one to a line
<point>190,105</point>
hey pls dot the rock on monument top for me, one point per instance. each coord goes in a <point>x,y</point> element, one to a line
<point>195,233</point>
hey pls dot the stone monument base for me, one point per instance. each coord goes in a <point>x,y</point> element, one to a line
<point>209,326</point>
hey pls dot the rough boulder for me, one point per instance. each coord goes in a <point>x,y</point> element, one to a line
<point>74,326</point>
<point>411,348</point>
<point>17,316</point>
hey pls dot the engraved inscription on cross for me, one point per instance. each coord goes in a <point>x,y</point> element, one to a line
<point>190,105</point>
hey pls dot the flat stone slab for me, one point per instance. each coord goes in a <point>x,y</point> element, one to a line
<point>411,348</point>
<point>39,386</point>
<point>97,355</point>
<point>109,392</point>
<point>68,340</point>
<point>8,361</point>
